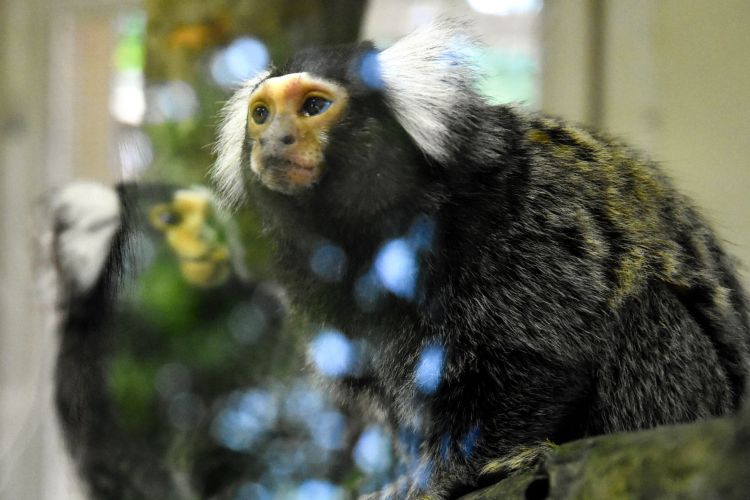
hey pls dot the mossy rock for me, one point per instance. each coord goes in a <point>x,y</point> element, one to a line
<point>703,460</point>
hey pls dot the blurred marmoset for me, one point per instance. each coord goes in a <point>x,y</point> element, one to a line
<point>515,278</point>
<point>150,364</point>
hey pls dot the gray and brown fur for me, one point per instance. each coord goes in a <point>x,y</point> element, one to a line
<point>571,289</point>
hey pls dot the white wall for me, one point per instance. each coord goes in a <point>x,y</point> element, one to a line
<point>673,78</point>
<point>54,81</point>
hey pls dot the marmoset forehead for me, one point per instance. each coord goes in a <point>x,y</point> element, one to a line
<point>286,87</point>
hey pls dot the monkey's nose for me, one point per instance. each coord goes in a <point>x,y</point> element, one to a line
<point>287,140</point>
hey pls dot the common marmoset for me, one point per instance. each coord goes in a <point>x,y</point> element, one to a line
<point>516,278</point>
<point>150,362</point>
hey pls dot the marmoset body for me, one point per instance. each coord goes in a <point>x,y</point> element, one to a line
<point>516,278</point>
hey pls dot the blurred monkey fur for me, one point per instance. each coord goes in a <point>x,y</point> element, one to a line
<point>558,286</point>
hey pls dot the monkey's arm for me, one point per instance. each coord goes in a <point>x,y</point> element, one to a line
<point>494,412</point>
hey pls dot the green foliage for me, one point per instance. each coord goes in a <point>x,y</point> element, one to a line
<point>183,148</point>
<point>131,382</point>
<point>163,297</point>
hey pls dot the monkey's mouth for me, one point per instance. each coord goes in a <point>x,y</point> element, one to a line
<point>287,176</point>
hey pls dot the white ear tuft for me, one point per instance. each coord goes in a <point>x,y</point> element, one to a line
<point>226,173</point>
<point>429,81</point>
<point>85,218</point>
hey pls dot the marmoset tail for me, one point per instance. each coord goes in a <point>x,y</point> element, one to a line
<point>514,278</point>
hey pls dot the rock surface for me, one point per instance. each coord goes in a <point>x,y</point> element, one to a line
<point>703,460</point>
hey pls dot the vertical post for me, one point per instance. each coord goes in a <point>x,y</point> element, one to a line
<point>597,52</point>
<point>571,59</point>
<point>24,351</point>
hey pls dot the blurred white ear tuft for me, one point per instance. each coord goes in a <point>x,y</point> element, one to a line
<point>86,217</point>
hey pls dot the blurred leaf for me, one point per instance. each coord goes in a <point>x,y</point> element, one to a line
<point>132,384</point>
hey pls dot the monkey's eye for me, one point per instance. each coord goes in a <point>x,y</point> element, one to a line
<point>260,114</point>
<point>163,217</point>
<point>315,105</point>
<point>169,218</point>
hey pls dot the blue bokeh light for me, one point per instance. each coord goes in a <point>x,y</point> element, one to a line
<point>243,59</point>
<point>328,430</point>
<point>318,489</point>
<point>280,464</point>
<point>289,459</point>
<point>328,262</point>
<point>445,448</point>
<point>396,268</point>
<point>422,233</point>
<point>429,369</point>
<point>423,474</point>
<point>303,402</point>
<point>370,71</point>
<point>220,71</point>
<point>246,57</point>
<point>247,322</point>
<point>173,101</point>
<point>367,291</point>
<point>372,453</point>
<point>246,418</point>
<point>252,491</point>
<point>333,353</point>
<point>410,441</point>
<point>469,442</point>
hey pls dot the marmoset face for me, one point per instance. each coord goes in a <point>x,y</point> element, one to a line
<point>288,122</point>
